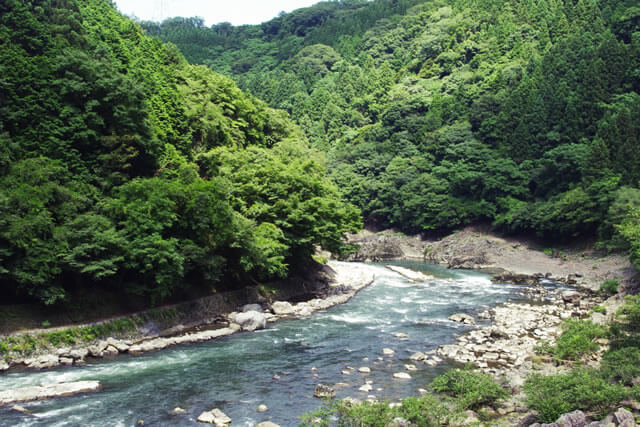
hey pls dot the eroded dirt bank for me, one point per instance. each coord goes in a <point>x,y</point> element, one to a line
<point>509,259</point>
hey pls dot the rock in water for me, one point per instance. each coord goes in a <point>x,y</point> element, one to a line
<point>27,394</point>
<point>267,424</point>
<point>402,376</point>
<point>388,352</point>
<point>364,370</point>
<point>251,320</point>
<point>178,411</point>
<point>215,416</point>
<point>262,408</point>
<point>322,390</point>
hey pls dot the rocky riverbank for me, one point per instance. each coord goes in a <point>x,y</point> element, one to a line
<point>344,281</point>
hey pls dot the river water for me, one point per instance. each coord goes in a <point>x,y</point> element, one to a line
<point>278,366</point>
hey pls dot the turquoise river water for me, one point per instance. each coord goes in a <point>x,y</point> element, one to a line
<point>278,366</point>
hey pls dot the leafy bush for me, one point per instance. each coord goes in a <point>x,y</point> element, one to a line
<point>610,287</point>
<point>599,309</point>
<point>425,410</point>
<point>583,389</point>
<point>577,340</point>
<point>470,389</point>
<point>621,365</point>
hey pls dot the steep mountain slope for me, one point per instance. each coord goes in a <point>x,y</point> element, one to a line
<point>124,168</point>
<point>451,112</point>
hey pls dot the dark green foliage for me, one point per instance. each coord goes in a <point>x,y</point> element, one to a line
<point>610,287</point>
<point>621,366</point>
<point>583,389</point>
<point>435,115</point>
<point>577,340</point>
<point>471,390</point>
<point>100,127</point>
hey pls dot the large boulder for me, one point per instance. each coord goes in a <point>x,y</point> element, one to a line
<point>282,308</point>
<point>250,320</point>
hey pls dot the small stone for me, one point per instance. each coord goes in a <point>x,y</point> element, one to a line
<point>267,424</point>
<point>388,351</point>
<point>402,376</point>
<point>178,411</point>
<point>422,391</point>
<point>262,408</point>
<point>410,367</point>
<point>400,335</point>
<point>364,370</point>
<point>346,372</point>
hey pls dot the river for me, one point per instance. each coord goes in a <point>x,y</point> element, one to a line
<point>278,366</point>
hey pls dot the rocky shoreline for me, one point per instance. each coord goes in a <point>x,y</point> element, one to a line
<point>347,280</point>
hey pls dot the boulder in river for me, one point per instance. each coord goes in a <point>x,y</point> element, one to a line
<point>28,394</point>
<point>322,391</point>
<point>250,320</point>
<point>215,416</point>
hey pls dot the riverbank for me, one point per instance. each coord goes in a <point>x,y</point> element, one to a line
<point>220,315</point>
<point>514,260</point>
<point>506,346</point>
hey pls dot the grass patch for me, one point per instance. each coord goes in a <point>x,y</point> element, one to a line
<point>471,390</point>
<point>577,340</point>
<point>28,344</point>
<point>599,309</point>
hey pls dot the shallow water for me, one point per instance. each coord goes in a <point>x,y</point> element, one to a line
<point>278,366</point>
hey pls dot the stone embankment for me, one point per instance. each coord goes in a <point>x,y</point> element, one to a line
<point>347,280</point>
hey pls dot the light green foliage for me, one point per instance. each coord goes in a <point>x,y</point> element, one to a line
<point>471,390</point>
<point>582,389</point>
<point>425,411</point>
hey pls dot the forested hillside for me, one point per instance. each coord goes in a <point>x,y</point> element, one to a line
<point>124,168</point>
<point>436,114</point>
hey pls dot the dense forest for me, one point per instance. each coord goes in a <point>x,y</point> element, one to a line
<point>125,169</point>
<point>438,114</point>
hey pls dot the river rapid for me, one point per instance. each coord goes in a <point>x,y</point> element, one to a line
<point>279,366</point>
